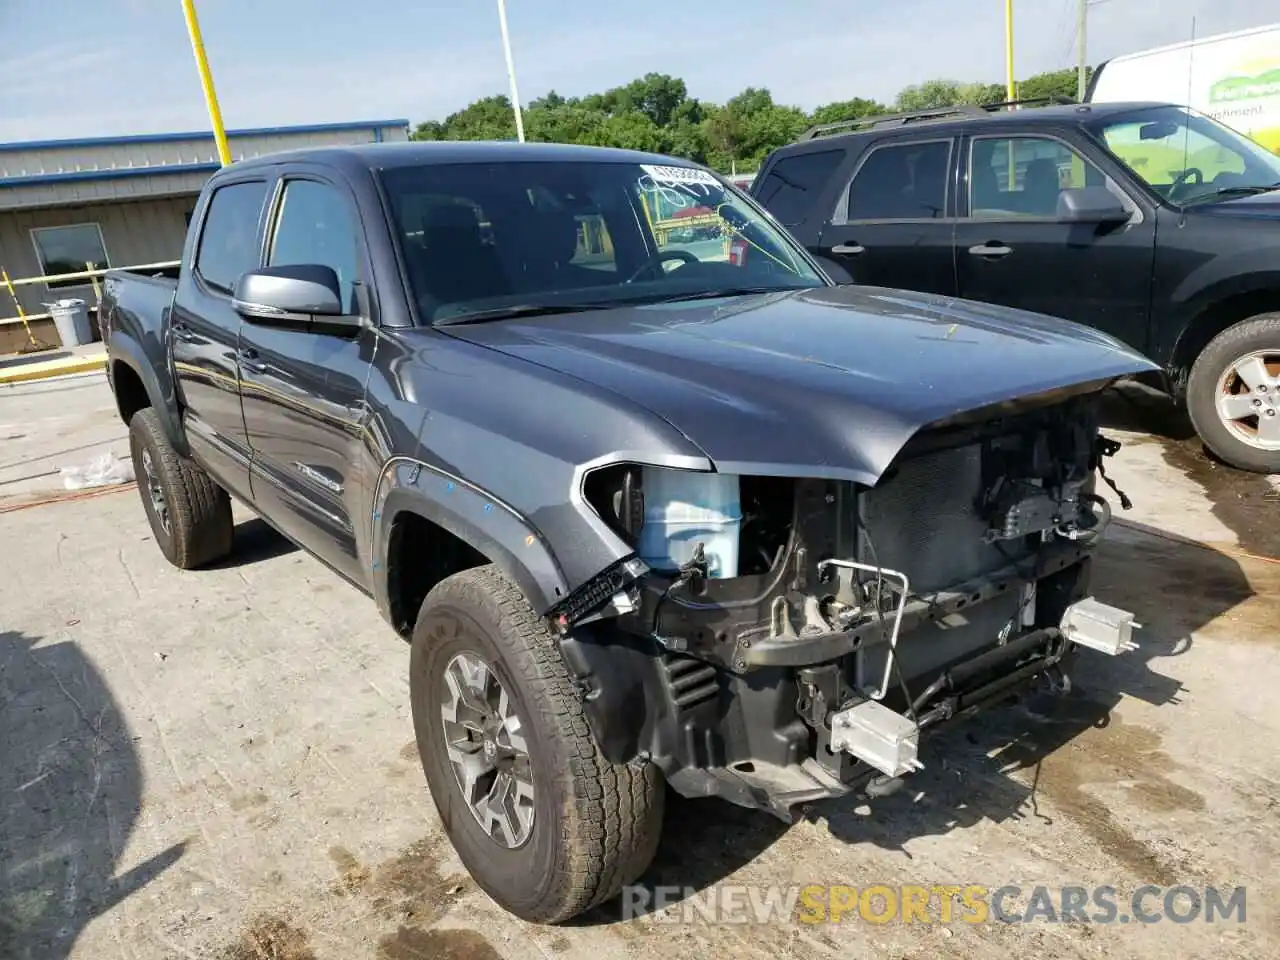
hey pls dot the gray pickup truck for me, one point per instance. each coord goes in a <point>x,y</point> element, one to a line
<point>648,513</point>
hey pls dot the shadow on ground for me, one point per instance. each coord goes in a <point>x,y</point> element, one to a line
<point>256,541</point>
<point>70,793</point>
<point>1244,502</point>
<point>35,356</point>
<point>1140,409</point>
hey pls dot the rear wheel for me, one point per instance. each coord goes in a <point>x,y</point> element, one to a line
<point>543,822</point>
<point>1233,394</point>
<point>190,515</point>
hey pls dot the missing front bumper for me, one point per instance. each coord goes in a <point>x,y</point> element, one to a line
<point>888,741</point>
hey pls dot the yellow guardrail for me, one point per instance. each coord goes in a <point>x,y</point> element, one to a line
<point>91,274</point>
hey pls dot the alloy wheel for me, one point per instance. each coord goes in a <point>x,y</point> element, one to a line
<point>1248,399</point>
<point>156,492</point>
<point>485,741</point>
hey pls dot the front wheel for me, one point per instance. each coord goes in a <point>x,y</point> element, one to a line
<point>544,823</point>
<point>1233,394</point>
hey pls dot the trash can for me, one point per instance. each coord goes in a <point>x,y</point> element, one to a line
<point>71,317</point>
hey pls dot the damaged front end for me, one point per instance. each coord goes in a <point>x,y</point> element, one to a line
<point>778,640</point>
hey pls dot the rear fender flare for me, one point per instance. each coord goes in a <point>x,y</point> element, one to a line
<point>123,349</point>
<point>471,514</point>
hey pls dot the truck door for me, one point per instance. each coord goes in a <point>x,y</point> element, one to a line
<point>1012,250</point>
<point>892,226</point>
<point>303,389</point>
<point>204,326</point>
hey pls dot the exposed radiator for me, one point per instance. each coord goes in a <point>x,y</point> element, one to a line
<point>923,521</point>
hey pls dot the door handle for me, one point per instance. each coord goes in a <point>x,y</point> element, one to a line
<point>852,249</point>
<point>991,250</point>
<point>182,332</point>
<point>251,361</point>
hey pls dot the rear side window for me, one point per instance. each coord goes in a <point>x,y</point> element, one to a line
<point>905,181</point>
<point>793,184</point>
<point>229,240</point>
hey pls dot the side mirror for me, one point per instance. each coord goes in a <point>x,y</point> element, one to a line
<point>291,295</point>
<point>1091,205</point>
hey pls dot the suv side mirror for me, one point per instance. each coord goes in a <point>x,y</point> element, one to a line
<point>1091,205</point>
<point>291,295</point>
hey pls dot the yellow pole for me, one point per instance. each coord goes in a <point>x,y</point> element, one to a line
<point>1011,93</point>
<point>22,314</point>
<point>206,81</point>
<point>1008,48</point>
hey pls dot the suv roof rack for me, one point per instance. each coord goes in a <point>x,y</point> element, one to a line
<point>879,121</point>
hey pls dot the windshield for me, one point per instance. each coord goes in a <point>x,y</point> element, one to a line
<point>1187,157</point>
<point>478,238</point>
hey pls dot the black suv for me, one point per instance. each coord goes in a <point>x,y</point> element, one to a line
<point>1151,222</point>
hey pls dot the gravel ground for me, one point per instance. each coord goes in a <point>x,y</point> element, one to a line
<point>220,764</point>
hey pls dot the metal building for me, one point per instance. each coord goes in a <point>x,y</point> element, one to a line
<point>118,202</point>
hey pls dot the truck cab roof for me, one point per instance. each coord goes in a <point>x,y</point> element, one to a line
<point>383,156</point>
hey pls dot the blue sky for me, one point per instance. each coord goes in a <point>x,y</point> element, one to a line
<point>125,66</point>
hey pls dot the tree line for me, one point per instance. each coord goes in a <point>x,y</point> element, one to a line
<point>656,113</point>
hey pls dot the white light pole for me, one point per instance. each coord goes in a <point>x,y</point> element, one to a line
<point>1082,32</point>
<point>511,69</point>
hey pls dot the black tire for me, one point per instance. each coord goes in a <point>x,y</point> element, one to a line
<point>1260,333</point>
<point>596,824</point>
<point>199,529</point>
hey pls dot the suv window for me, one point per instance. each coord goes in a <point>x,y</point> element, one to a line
<point>229,238</point>
<point>791,186</point>
<point>906,181</point>
<point>315,227</point>
<point>1022,176</point>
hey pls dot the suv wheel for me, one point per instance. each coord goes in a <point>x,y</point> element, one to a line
<point>544,823</point>
<point>1233,394</point>
<point>190,515</point>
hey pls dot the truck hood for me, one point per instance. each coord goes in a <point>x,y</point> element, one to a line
<point>825,382</point>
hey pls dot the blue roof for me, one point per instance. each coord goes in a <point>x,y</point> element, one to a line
<point>199,135</point>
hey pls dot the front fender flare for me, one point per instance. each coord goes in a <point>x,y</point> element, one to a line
<point>471,514</point>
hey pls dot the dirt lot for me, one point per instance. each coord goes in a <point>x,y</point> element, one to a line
<point>219,764</point>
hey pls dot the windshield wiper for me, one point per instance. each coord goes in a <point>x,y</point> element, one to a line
<point>1242,190</point>
<point>723,292</point>
<point>519,310</point>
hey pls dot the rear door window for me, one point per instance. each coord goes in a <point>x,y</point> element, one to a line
<point>229,238</point>
<point>901,181</point>
<point>792,186</point>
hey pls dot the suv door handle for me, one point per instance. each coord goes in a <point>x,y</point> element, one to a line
<point>853,249</point>
<point>991,250</point>
<point>182,332</point>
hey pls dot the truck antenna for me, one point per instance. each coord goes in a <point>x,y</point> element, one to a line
<point>1191,61</point>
